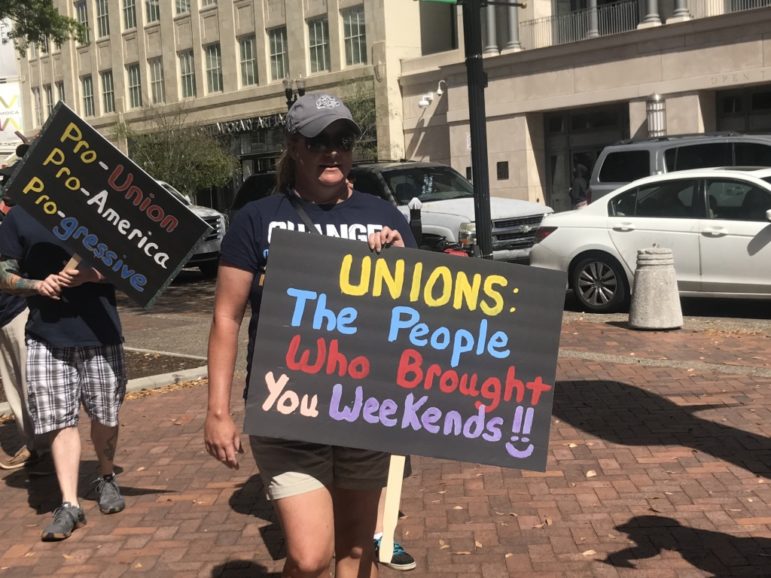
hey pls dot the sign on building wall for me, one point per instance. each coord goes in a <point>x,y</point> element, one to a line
<point>409,351</point>
<point>10,115</point>
<point>105,208</point>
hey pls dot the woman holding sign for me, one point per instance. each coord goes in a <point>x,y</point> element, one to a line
<point>326,496</point>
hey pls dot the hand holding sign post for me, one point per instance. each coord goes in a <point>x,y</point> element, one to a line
<point>104,208</point>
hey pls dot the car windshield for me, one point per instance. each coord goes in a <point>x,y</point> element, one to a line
<point>767,179</point>
<point>176,193</point>
<point>427,184</point>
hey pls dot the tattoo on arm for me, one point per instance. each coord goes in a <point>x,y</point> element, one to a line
<point>12,282</point>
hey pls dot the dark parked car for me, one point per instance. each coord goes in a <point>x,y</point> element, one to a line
<point>254,187</point>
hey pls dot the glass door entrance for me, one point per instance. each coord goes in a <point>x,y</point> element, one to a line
<point>574,139</point>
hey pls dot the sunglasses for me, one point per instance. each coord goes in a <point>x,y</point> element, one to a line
<point>323,143</point>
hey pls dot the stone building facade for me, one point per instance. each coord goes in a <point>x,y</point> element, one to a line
<point>565,77</point>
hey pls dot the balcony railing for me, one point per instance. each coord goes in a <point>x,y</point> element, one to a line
<point>611,19</point>
<point>706,8</point>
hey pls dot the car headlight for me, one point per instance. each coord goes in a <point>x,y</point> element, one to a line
<point>467,235</point>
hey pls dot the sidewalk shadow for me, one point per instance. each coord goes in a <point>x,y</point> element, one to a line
<point>186,288</point>
<point>716,553</point>
<point>242,569</point>
<point>10,441</point>
<point>628,415</point>
<point>250,499</point>
<point>43,493</point>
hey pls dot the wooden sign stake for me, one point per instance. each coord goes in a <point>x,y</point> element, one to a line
<point>73,262</point>
<point>391,508</point>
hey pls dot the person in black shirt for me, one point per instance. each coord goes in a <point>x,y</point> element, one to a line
<point>74,355</point>
<point>13,370</point>
<point>326,496</point>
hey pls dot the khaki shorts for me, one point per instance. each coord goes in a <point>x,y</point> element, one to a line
<point>289,468</point>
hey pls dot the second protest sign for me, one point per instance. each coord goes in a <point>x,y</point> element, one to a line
<point>105,208</point>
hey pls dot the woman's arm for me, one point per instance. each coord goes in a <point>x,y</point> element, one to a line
<point>221,436</point>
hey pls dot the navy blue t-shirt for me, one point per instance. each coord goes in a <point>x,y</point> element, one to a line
<point>246,243</point>
<point>85,316</point>
<point>10,307</point>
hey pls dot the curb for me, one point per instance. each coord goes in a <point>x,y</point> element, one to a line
<point>163,379</point>
<point>149,382</point>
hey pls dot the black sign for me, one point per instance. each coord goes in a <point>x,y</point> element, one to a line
<point>409,351</point>
<point>104,207</point>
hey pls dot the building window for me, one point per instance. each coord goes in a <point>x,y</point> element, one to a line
<point>49,98</point>
<point>187,73</point>
<point>81,15</point>
<point>134,86</point>
<point>102,19</point>
<point>38,107</point>
<point>279,61</point>
<point>205,3</point>
<point>355,36</point>
<point>318,43</point>
<point>502,170</point>
<point>60,90</point>
<point>183,7</point>
<point>108,92</point>
<point>157,87</point>
<point>129,14</point>
<point>33,51</point>
<point>248,62</point>
<point>44,46</point>
<point>88,95</point>
<point>153,10</point>
<point>214,68</point>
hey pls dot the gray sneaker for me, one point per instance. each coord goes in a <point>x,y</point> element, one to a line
<point>66,519</point>
<point>108,495</point>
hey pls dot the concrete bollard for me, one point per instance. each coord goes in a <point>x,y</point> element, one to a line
<point>655,298</point>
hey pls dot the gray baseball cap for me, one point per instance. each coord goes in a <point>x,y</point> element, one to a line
<point>312,113</point>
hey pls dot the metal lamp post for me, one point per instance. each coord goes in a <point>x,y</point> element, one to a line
<point>293,89</point>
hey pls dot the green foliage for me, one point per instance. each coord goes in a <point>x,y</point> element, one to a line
<point>180,153</point>
<point>36,20</point>
<point>360,99</point>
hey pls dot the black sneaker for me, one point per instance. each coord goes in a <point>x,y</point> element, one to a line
<point>108,495</point>
<point>66,519</point>
<point>401,559</point>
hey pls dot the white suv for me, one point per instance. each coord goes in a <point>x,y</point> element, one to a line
<point>206,254</point>
<point>447,206</point>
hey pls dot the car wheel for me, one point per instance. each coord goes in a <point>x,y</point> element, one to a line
<point>209,269</point>
<point>599,283</point>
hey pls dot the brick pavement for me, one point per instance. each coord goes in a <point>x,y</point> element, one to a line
<point>659,465</point>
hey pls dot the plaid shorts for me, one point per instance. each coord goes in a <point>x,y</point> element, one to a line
<point>59,378</point>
